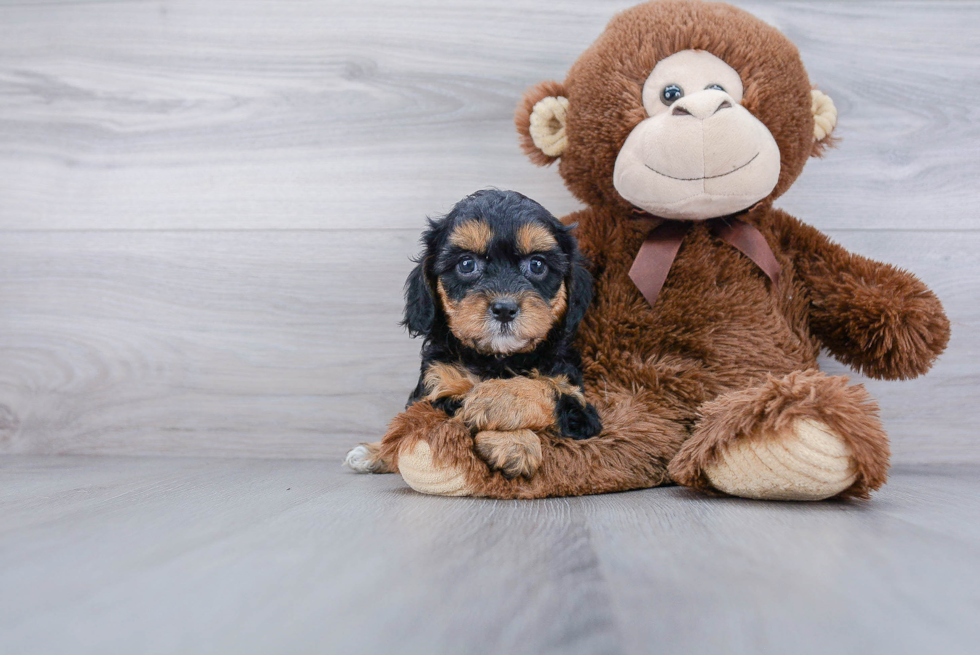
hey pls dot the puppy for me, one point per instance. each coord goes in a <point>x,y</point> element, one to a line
<point>497,294</point>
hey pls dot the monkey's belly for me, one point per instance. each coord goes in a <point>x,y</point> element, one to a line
<point>718,320</point>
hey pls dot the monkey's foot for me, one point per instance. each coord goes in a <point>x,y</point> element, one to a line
<point>421,473</point>
<point>806,436</point>
<point>807,461</point>
<point>433,452</point>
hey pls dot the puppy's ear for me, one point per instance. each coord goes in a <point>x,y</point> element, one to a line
<point>579,295</point>
<point>420,304</point>
<point>420,300</point>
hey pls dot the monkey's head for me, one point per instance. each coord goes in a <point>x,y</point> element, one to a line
<point>684,109</point>
<point>500,273</point>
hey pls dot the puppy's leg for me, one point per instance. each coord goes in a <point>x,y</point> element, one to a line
<point>576,418</point>
<point>366,458</point>
<point>631,452</point>
<point>511,404</point>
<point>513,453</point>
<point>446,385</point>
<point>444,380</point>
<point>507,413</point>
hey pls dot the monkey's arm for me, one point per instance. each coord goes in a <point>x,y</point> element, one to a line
<point>874,317</point>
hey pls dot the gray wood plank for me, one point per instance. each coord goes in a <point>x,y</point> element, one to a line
<point>150,555</point>
<point>289,557</point>
<point>286,343</point>
<point>258,114</point>
<point>741,577</point>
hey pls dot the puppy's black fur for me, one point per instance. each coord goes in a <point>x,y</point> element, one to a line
<point>449,273</point>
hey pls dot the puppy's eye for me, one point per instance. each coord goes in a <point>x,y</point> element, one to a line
<point>468,266</point>
<point>537,267</point>
<point>671,94</point>
<point>715,87</point>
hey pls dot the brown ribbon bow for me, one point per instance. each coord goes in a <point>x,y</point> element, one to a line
<point>656,255</point>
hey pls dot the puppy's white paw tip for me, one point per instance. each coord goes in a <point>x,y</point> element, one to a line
<point>359,460</point>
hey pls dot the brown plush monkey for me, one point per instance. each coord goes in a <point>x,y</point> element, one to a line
<point>678,128</point>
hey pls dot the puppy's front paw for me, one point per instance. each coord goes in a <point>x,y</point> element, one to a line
<point>509,404</point>
<point>513,453</point>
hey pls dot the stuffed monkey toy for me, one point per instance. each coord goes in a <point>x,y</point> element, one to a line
<point>678,129</point>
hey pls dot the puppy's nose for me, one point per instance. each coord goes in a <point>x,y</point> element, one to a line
<point>504,310</point>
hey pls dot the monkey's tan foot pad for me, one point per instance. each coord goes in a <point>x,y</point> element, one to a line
<point>808,461</point>
<point>419,471</point>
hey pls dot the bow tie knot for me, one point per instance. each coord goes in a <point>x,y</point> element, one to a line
<point>656,255</point>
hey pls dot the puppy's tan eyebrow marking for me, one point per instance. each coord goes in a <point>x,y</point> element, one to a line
<point>532,237</point>
<point>473,235</point>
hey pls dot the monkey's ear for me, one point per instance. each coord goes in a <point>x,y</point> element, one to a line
<point>420,304</point>
<point>824,122</point>
<point>540,120</point>
<point>579,295</point>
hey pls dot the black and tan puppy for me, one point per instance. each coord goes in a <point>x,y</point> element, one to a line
<point>498,293</point>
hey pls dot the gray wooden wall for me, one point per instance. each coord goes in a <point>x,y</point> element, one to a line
<point>207,208</point>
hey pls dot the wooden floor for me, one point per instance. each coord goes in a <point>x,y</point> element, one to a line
<point>207,211</point>
<point>172,555</point>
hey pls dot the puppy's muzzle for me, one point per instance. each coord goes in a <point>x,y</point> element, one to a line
<point>504,310</point>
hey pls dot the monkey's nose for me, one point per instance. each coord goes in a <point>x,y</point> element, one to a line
<point>504,310</point>
<point>702,105</point>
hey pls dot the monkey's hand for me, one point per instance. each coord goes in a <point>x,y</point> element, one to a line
<point>885,322</point>
<point>872,316</point>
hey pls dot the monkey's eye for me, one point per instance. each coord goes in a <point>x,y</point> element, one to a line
<point>716,87</point>
<point>468,266</point>
<point>536,267</point>
<point>671,94</point>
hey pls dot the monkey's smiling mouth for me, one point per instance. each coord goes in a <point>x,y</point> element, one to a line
<point>706,177</point>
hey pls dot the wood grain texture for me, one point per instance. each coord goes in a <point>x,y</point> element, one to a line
<point>286,344</point>
<point>144,555</point>
<point>258,114</point>
<point>206,209</point>
<point>237,343</point>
